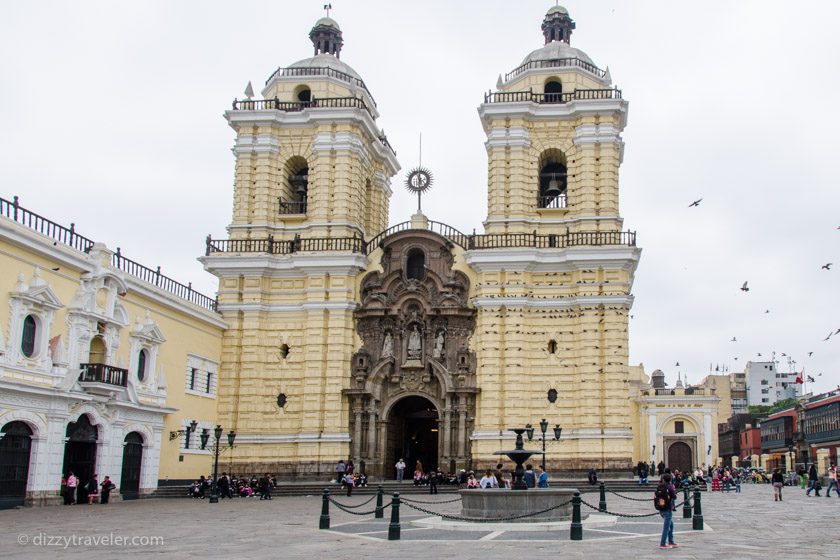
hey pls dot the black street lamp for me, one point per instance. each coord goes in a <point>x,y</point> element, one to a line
<point>205,436</point>
<point>529,430</point>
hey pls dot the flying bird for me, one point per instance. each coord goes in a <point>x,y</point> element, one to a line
<point>827,266</point>
<point>678,364</point>
<point>696,202</point>
<point>767,311</point>
<point>829,336</point>
<point>809,353</point>
<point>734,339</point>
<point>744,288</point>
<point>759,353</point>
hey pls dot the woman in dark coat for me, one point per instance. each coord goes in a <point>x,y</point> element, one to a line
<point>813,481</point>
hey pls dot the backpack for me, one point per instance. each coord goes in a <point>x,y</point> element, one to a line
<point>662,498</point>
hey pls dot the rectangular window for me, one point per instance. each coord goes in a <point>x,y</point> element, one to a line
<point>764,382</point>
<point>209,380</point>
<point>765,400</point>
<point>193,373</point>
<point>679,427</point>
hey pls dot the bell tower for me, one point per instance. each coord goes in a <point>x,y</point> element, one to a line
<point>554,270</point>
<point>312,182</point>
<point>310,158</point>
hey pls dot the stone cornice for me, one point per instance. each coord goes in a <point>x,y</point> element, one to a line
<point>284,266</point>
<point>553,260</point>
<point>552,303</point>
<point>553,111</point>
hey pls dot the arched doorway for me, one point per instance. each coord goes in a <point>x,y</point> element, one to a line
<point>132,460</point>
<point>413,433</point>
<point>679,457</point>
<point>97,351</point>
<point>15,448</point>
<point>80,452</point>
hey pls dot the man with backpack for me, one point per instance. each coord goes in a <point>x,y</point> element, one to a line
<point>664,499</point>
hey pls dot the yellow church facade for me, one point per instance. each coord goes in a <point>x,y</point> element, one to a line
<point>347,339</point>
<point>337,333</point>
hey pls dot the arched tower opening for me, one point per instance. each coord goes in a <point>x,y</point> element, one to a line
<point>553,180</point>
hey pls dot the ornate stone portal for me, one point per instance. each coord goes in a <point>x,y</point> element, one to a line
<point>415,328</point>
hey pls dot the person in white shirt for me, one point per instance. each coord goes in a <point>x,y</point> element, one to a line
<point>488,481</point>
<point>832,481</point>
<point>400,466</point>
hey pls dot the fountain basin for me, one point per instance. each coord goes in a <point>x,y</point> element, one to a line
<point>496,503</point>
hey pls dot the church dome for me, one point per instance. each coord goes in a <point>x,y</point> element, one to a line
<point>555,50</point>
<point>557,10</point>
<point>326,60</point>
<point>328,21</point>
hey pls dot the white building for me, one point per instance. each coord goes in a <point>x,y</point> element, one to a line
<point>766,384</point>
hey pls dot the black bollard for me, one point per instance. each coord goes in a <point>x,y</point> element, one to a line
<point>602,505</point>
<point>325,511</point>
<point>394,527</point>
<point>686,504</point>
<point>380,514</point>
<point>697,520</point>
<point>576,533</point>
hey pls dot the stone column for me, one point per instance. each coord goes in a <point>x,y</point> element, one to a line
<point>462,426</point>
<point>371,451</point>
<point>447,427</point>
<point>735,460</point>
<point>822,462</point>
<point>357,431</point>
<point>652,439</point>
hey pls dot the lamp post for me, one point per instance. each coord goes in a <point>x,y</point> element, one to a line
<point>205,436</point>
<point>790,453</point>
<point>529,430</point>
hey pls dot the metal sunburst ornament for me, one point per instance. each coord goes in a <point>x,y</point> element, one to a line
<point>419,180</point>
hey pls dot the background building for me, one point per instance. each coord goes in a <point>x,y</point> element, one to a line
<point>102,362</point>
<point>766,384</point>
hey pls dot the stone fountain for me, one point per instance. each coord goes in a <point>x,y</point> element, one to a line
<point>500,503</point>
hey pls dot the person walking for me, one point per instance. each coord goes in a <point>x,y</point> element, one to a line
<point>778,481</point>
<point>339,471</point>
<point>529,477</point>
<point>400,466</point>
<point>813,481</point>
<point>665,498</point>
<point>105,493</point>
<point>72,483</point>
<point>660,468</point>
<point>832,481</point>
<point>433,481</point>
<point>542,480</point>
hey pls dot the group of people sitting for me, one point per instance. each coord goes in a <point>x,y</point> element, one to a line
<point>230,486</point>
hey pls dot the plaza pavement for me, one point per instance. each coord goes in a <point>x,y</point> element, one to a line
<point>746,525</point>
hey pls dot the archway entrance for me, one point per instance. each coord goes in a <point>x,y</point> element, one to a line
<point>132,460</point>
<point>413,434</point>
<point>80,452</point>
<point>679,457</point>
<point>15,448</point>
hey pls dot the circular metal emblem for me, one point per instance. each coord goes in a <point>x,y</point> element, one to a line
<point>419,180</point>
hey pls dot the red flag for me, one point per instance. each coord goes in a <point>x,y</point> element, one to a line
<point>799,380</point>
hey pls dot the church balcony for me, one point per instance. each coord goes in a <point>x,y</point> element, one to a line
<point>292,207</point>
<point>555,63</point>
<point>468,242</point>
<point>321,71</point>
<point>102,379</point>
<point>542,98</point>
<point>277,105</point>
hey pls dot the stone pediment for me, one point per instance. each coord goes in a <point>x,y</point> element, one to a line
<point>37,292</point>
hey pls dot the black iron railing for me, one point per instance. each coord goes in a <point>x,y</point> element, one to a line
<point>321,71</point>
<point>103,373</point>
<point>556,63</point>
<point>552,202</point>
<point>543,98</point>
<point>68,236</point>
<point>469,242</point>
<point>322,103</point>
<point>292,206</point>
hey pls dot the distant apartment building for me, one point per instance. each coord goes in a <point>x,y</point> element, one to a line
<point>766,385</point>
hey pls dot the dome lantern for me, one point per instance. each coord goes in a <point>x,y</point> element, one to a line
<point>557,25</point>
<point>326,37</point>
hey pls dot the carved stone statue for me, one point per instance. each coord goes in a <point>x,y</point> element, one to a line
<point>415,344</point>
<point>439,341</point>
<point>388,346</point>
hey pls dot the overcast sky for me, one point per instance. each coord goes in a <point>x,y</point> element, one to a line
<point>111,118</point>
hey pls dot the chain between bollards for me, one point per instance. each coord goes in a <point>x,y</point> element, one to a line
<point>576,532</point>
<point>380,514</point>
<point>697,520</point>
<point>686,504</point>
<point>602,505</point>
<point>324,523</point>
<point>394,526</point>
